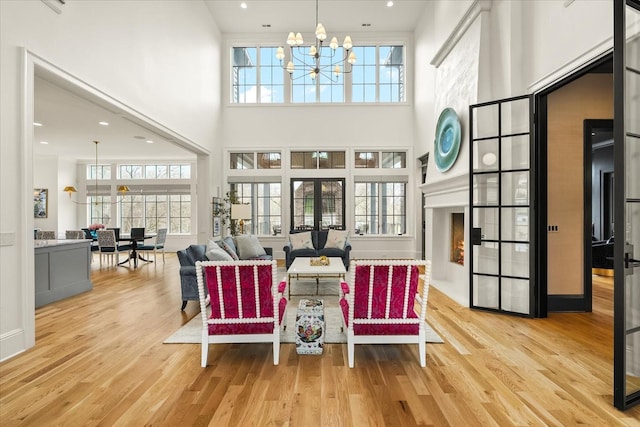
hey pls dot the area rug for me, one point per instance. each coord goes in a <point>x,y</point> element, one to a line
<point>190,332</point>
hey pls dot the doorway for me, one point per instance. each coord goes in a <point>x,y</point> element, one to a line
<point>565,232</point>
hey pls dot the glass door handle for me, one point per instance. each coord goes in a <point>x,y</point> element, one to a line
<point>476,236</point>
<point>629,262</point>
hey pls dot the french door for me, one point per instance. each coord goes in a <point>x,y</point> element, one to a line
<point>317,203</point>
<point>626,77</point>
<point>501,258</point>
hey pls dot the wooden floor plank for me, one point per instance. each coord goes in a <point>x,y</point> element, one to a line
<point>99,360</point>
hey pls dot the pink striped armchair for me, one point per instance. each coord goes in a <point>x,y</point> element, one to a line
<point>246,303</point>
<point>378,304</point>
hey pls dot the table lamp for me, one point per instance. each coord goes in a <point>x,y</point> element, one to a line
<point>241,212</point>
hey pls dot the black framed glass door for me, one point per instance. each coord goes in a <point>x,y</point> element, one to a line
<point>626,77</point>
<point>317,203</point>
<point>502,258</point>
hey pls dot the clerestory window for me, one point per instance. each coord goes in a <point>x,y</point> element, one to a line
<point>378,76</point>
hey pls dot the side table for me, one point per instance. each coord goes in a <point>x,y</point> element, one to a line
<point>310,326</point>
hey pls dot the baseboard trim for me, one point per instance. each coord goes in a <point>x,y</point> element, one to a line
<point>11,344</point>
<point>560,303</point>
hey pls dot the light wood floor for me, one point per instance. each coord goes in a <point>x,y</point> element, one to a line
<point>99,360</point>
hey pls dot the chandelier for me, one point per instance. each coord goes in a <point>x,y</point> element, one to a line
<point>313,62</point>
<point>69,189</point>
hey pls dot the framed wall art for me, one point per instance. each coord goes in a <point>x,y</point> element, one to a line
<point>40,202</point>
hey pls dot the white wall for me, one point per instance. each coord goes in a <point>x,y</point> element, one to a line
<point>161,59</point>
<point>67,212</point>
<point>555,35</point>
<point>46,176</point>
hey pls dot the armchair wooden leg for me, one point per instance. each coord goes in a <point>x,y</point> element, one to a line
<point>184,304</point>
<point>205,350</point>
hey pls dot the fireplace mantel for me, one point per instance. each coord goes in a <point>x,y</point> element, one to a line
<point>448,192</point>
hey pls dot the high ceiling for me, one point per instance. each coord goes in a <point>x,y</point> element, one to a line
<point>70,121</point>
<point>343,16</point>
<point>70,124</point>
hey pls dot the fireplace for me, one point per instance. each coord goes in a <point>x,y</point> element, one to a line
<point>446,213</point>
<point>457,238</point>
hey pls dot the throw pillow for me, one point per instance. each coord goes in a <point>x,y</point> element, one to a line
<point>229,247</point>
<point>337,239</point>
<point>301,241</point>
<point>212,245</point>
<point>218,255</point>
<point>249,247</point>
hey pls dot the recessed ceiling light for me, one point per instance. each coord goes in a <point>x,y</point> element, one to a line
<point>103,123</point>
<point>44,142</point>
<point>149,141</point>
<point>389,3</point>
<point>243,5</point>
<point>37,124</point>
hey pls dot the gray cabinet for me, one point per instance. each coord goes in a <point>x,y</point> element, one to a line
<point>62,269</point>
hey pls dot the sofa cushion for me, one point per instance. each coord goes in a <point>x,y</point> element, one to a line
<point>304,253</point>
<point>301,241</point>
<point>230,247</point>
<point>331,252</point>
<point>218,254</point>
<point>197,253</point>
<point>249,247</point>
<point>336,239</point>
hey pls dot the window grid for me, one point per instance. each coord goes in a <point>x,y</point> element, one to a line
<point>366,159</point>
<point>394,159</point>
<point>269,160</point>
<point>318,160</point>
<point>245,77</point>
<point>99,209</point>
<point>380,208</point>
<point>241,160</point>
<point>155,213</point>
<point>98,172</point>
<point>151,172</point>
<point>377,76</point>
<point>131,213</point>
<point>265,200</point>
<point>269,208</point>
<point>180,213</point>
<point>363,85</point>
<point>271,77</point>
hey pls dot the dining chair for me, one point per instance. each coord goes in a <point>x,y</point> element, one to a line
<point>121,248</point>
<point>45,235</point>
<point>379,304</point>
<point>137,235</point>
<point>108,247</point>
<point>74,235</point>
<point>157,246</point>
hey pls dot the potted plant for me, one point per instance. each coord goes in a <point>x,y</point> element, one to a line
<point>223,210</point>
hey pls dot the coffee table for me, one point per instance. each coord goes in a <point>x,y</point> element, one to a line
<point>301,267</point>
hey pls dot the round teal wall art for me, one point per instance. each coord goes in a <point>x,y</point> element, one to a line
<point>447,145</point>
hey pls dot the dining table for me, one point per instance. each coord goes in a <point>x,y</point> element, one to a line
<point>134,255</point>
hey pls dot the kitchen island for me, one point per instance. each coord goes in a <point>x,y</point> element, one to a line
<point>62,269</point>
